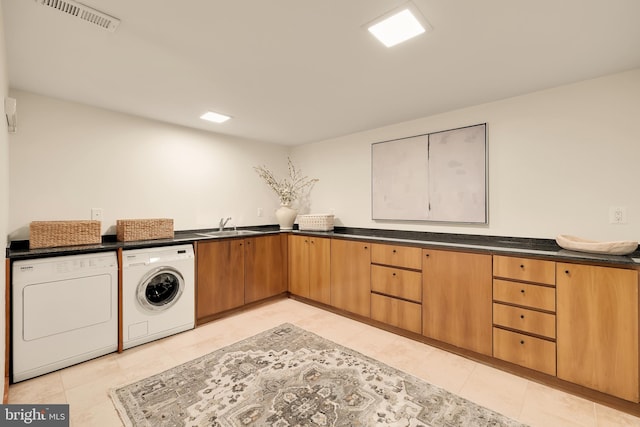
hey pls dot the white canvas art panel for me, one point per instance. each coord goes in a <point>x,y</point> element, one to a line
<point>400,181</point>
<point>440,176</point>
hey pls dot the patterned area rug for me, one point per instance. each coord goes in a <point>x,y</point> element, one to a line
<point>287,376</point>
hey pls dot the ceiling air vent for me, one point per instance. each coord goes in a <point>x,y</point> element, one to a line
<point>83,12</point>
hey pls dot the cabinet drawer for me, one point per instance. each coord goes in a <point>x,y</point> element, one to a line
<point>395,312</point>
<point>534,296</point>
<point>525,320</point>
<point>524,350</point>
<point>529,270</point>
<point>397,282</point>
<point>397,256</point>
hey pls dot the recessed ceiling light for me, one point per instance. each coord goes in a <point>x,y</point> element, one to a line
<point>398,25</point>
<point>214,117</point>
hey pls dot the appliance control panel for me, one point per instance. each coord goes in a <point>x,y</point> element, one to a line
<point>47,267</point>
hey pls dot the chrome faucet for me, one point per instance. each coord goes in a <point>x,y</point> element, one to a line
<point>223,222</point>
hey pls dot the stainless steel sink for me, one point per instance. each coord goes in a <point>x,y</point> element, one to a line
<point>227,233</point>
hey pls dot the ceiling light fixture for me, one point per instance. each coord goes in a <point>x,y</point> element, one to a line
<point>398,25</point>
<point>214,117</point>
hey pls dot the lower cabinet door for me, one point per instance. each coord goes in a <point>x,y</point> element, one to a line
<point>396,312</point>
<point>351,276</point>
<point>598,328</point>
<point>525,350</point>
<point>457,299</point>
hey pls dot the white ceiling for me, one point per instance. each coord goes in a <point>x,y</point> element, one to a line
<point>299,71</point>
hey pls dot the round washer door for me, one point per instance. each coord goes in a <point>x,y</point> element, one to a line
<point>160,289</point>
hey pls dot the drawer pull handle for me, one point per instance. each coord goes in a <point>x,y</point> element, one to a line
<point>522,291</point>
<point>394,251</point>
<point>521,341</point>
<point>522,266</point>
<point>566,272</point>
<point>394,274</point>
<point>522,316</point>
<point>427,255</point>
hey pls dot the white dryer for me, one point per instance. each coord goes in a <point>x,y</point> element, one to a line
<point>158,293</point>
<point>64,311</point>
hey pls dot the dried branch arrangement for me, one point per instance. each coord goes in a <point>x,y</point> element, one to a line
<point>288,188</point>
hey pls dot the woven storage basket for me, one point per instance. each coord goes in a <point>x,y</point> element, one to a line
<point>128,230</point>
<point>315,222</point>
<point>51,234</point>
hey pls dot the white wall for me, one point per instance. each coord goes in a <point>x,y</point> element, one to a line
<point>68,158</point>
<point>558,159</point>
<point>4,190</point>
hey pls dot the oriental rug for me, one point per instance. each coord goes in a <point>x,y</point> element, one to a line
<point>287,376</point>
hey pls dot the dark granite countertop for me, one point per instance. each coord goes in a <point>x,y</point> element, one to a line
<point>515,246</point>
<point>500,245</point>
<point>19,249</point>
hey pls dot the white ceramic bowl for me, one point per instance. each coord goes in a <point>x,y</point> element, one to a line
<point>583,245</point>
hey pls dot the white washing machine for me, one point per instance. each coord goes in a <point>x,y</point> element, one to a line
<point>158,293</point>
<point>64,311</point>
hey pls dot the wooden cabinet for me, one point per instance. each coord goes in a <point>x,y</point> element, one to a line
<point>396,286</point>
<point>351,276</point>
<point>310,268</point>
<point>525,294</point>
<point>399,256</point>
<point>575,321</point>
<point>456,299</point>
<point>397,312</point>
<point>598,328</point>
<point>234,272</point>
<point>397,282</point>
<point>265,266</point>
<point>524,320</point>
<point>525,269</point>
<point>220,277</point>
<point>525,350</point>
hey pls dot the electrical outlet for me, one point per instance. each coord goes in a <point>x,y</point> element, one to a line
<point>259,211</point>
<point>617,215</point>
<point>96,214</point>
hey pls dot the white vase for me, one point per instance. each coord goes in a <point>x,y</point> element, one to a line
<point>286,215</point>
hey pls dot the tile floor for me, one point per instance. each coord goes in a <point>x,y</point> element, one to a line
<point>86,386</point>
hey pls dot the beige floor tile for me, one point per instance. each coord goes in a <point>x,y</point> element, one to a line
<point>88,371</point>
<point>91,393</point>
<point>544,406</point>
<point>101,415</point>
<point>404,354</point>
<point>372,341</point>
<point>86,386</point>
<point>495,389</point>
<point>38,389</point>
<point>142,354</point>
<point>182,339</point>
<point>142,370</point>
<point>41,399</point>
<point>331,326</point>
<point>608,417</point>
<point>444,370</point>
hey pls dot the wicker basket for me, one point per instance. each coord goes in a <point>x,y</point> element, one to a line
<point>128,230</point>
<point>51,234</point>
<point>315,222</point>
